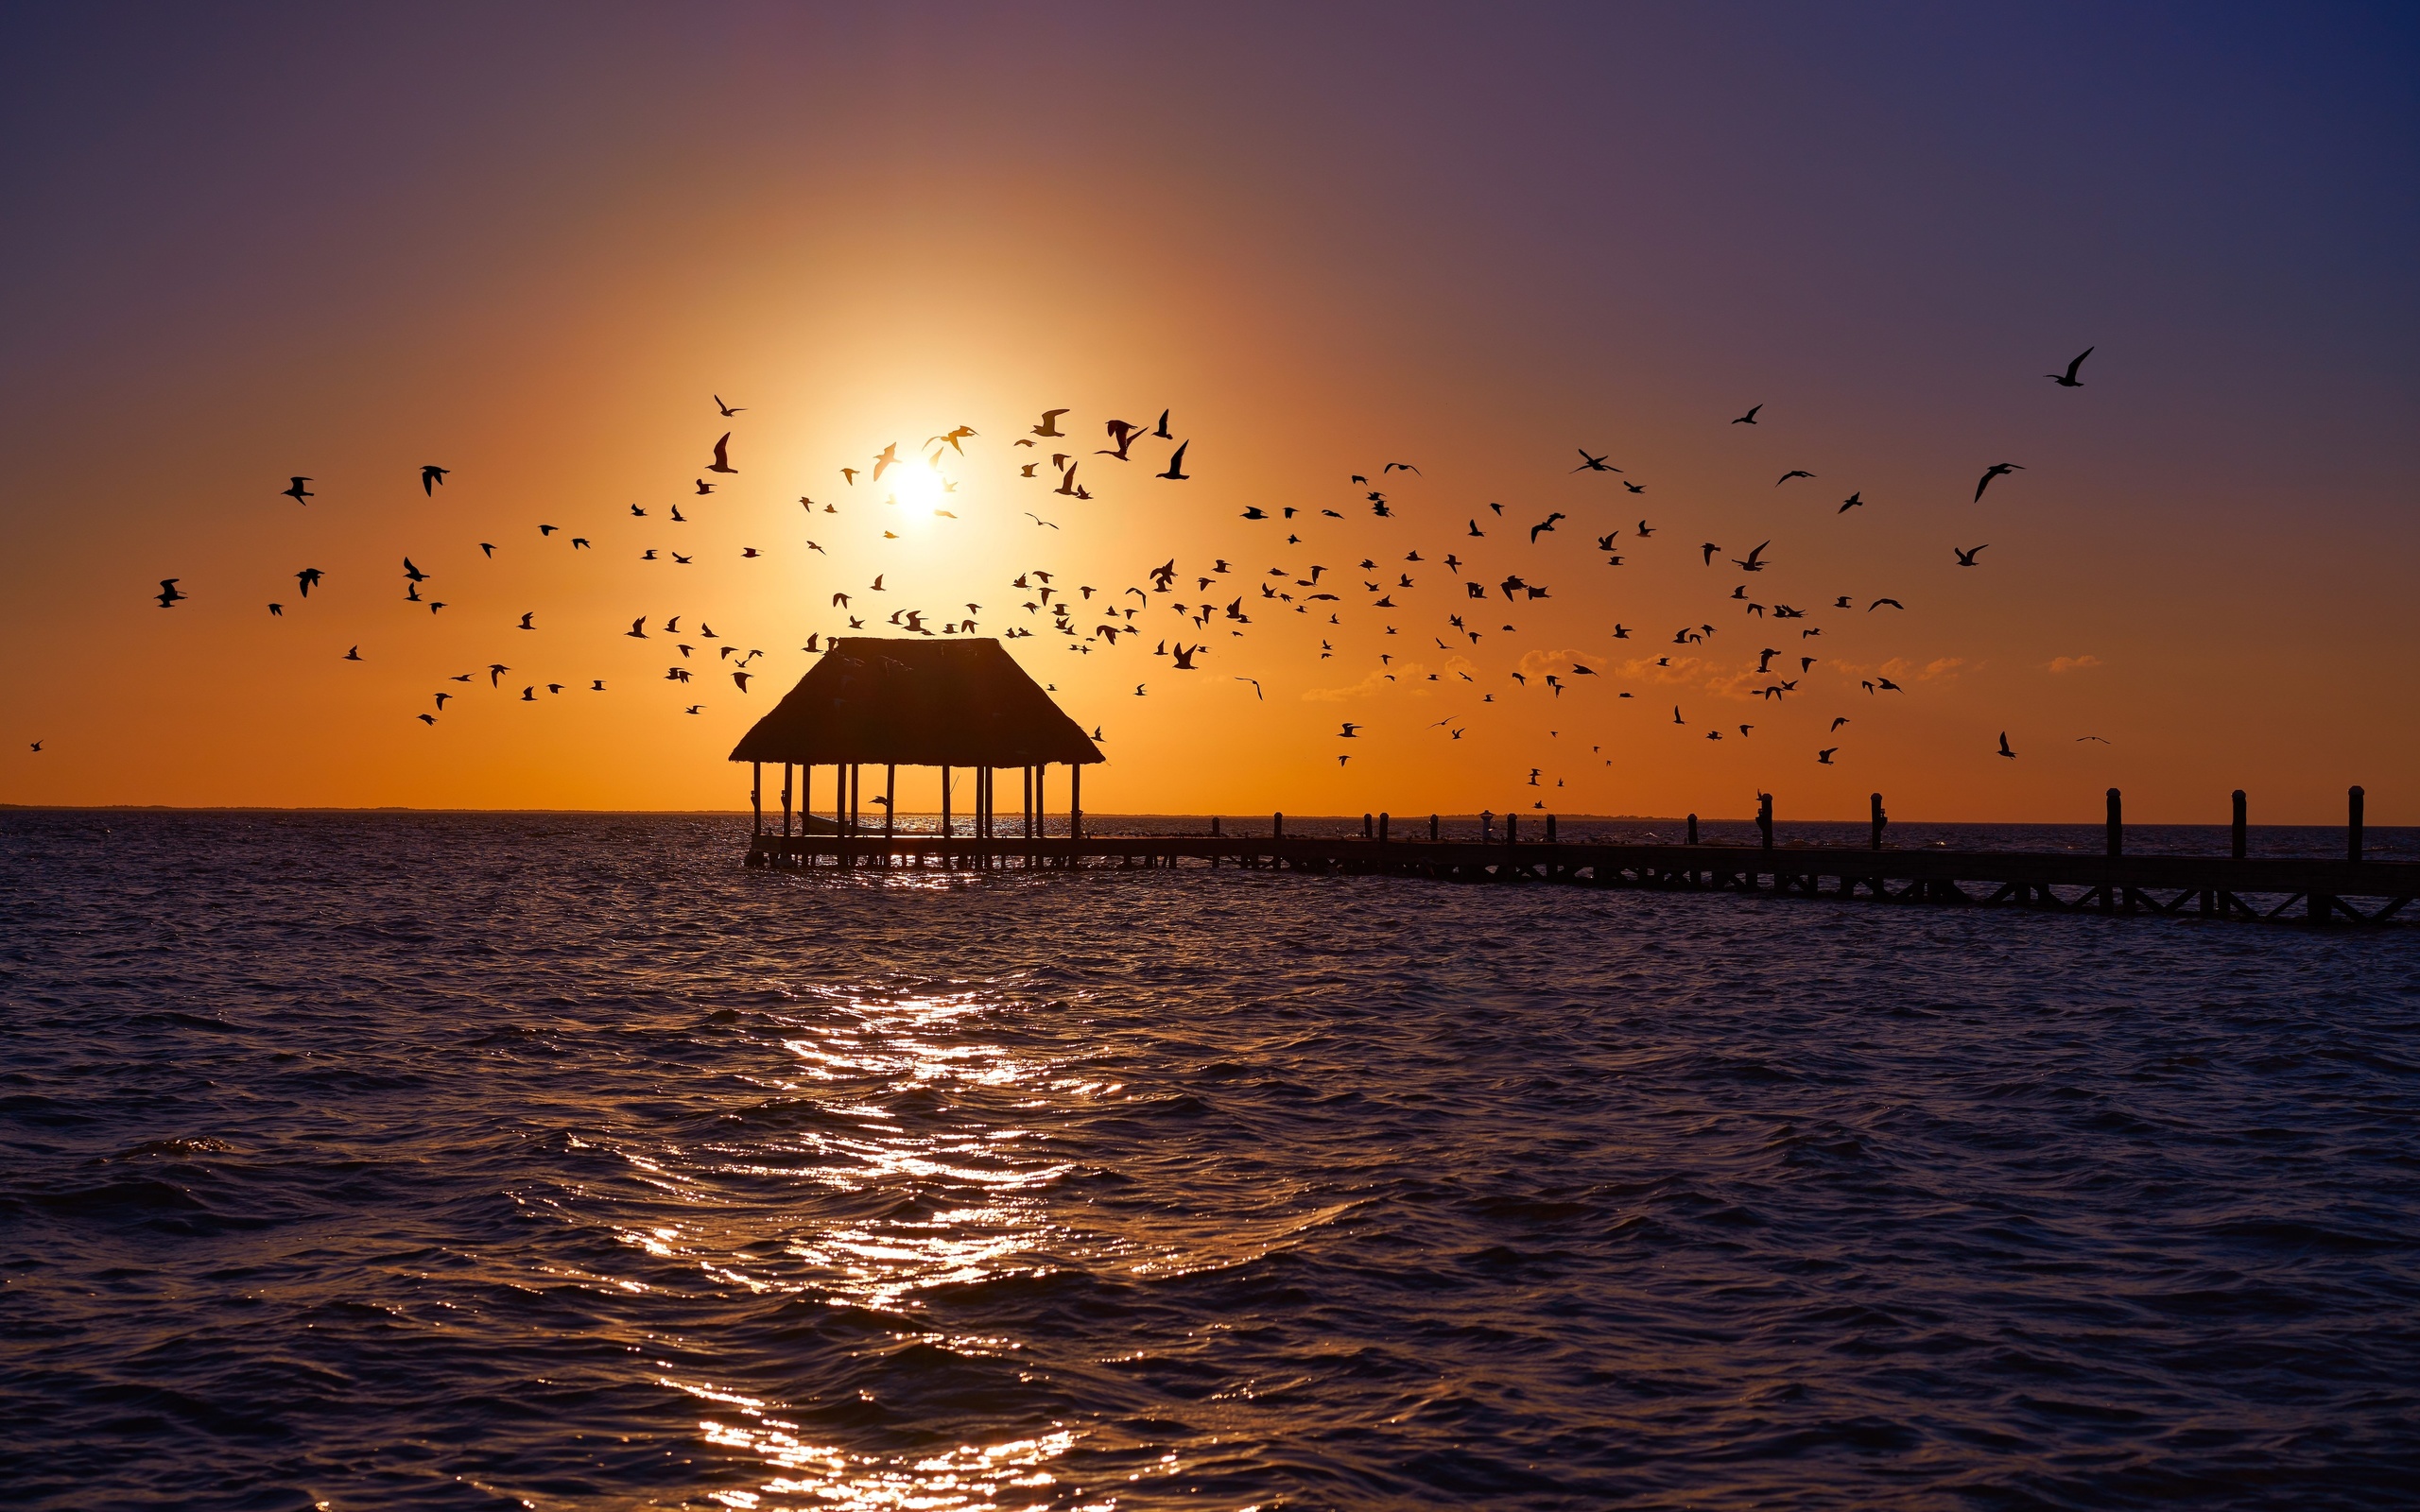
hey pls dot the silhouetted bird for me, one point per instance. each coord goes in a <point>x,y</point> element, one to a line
<point>1793,472</point>
<point>1593,464</point>
<point>1965,557</point>
<point>1176,472</point>
<point>2068,380</point>
<point>169,596</point>
<point>1749,418</point>
<point>295,492</point>
<point>1996,470</point>
<point>430,477</point>
<point>1049,426</point>
<point>2004,750</point>
<point>353,655</point>
<point>1853,501</point>
<point>727,410</point>
<point>1546,525</point>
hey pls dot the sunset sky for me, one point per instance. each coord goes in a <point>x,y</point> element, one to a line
<point>529,243</point>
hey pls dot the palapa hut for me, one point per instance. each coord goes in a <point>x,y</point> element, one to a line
<point>894,703</point>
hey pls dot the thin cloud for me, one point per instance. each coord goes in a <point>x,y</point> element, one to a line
<point>2072,663</point>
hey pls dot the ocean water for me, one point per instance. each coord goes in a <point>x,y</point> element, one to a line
<point>367,1162</point>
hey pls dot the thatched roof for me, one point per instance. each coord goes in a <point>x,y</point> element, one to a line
<point>917,703</point>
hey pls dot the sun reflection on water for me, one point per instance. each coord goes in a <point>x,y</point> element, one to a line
<point>965,1213</point>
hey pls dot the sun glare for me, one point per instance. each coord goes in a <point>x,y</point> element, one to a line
<point>919,486</point>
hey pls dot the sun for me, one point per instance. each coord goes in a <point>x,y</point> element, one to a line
<point>920,484</point>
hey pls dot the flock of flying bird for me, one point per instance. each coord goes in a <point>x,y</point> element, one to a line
<point>1223,597</point>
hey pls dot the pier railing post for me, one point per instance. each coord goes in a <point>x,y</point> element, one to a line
<point>1880,819</point>
<point>2353,825</point>
<point>1550,829</point>
<point>1382,829</point>
<point>2117,824</point>
<point>1765,819</point>
<point>1215,828</point>
<point>1693,828</point>
<point>2239,849</point>
<point>1433,829</point>
<point>1369,828</point>
<point>1277,825</point>
<point>1487,826</point>
<point>1511,829</point>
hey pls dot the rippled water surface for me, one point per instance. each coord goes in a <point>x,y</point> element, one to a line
<point>444,1162</point>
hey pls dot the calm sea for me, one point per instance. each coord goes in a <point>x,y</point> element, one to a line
<point>432,1161</point>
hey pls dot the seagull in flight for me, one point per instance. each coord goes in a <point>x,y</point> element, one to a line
<point>1544,525</point>
<point>727,410</point>
<point>722,457</point>
<point>2068,379</point>
<point>1593,464</point>
<point>1749,418</point>
<point>2004,750</point>
<point>1965,557</point>
<point>430,477</point>
<point>1996,470</point>
<point>1793,472</point>
<point>295,492</point>
<point>1854,501</point>
<point>168,595</point>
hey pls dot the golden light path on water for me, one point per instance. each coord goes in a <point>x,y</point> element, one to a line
<point>865,1053</point>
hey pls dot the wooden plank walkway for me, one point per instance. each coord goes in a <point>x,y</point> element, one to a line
<point>2313,891</point>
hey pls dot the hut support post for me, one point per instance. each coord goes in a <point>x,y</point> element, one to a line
<point>1075,803</point>
<point>788,778</point>
<point>890,807</point>
<point>757,793</point>
<point>945,829</point>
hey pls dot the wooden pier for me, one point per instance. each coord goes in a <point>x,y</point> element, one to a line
<point>967,708</point>
<point>2312,891</point>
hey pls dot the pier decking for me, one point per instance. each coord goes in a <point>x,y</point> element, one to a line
<point>2313,891</point>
